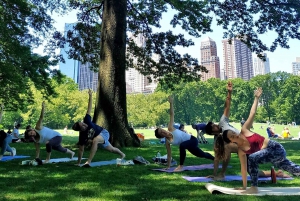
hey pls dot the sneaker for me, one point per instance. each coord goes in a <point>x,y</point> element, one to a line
<point>27,162</point>
<point>14,151</point>
<point>296,174</point>
<point>129,162</point>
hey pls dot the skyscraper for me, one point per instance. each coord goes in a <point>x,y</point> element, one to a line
<point>296,66</point>
<point>79,72</point>
<point>87,79</point>
<point>261,67</point>
<point>135,81</point>
<point>237,60</point>
<point>209,59</point>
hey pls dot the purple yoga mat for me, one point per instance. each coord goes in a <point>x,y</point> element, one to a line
<point>229,178</point>
<point>190,168</point>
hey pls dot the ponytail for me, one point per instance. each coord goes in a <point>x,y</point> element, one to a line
<point>219,148</point>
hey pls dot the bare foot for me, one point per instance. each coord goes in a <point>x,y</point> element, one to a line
<point>281,174</point>
<point>72,154</point>
<point>86,165</point>
<point>122,156</point>
<point>178,169</point>
<point>251,190</point>
<point>46,161</point>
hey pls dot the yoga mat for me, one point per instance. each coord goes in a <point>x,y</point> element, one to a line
<point>101,163</point>
<point>230,178</point>
<point>60,160</point>
<point>8,158</point>
<point>277,191</point>
<point>190,168</point>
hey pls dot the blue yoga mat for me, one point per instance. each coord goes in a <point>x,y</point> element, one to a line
<point>8,158</point>
<point>230,178</point>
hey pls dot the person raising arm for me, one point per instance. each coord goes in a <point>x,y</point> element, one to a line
<point>182,139</point>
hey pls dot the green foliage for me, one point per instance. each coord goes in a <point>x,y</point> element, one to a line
<point>19,66</point>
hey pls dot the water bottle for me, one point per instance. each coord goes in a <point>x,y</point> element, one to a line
<point>273,175</point>
<point>158,156</point>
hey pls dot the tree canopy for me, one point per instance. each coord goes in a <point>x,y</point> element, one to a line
<point>100,38</point>
<point>23,26</point>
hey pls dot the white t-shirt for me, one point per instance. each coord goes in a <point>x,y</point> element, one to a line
<point>224,124</point>
<point>46,134</point>
<point>179,137</point>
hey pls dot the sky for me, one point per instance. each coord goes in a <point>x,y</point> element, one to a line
<point>280,60</point>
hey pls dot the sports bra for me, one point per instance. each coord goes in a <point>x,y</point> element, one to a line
<point>256,142</point>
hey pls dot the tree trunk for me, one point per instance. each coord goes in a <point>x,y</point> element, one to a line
<point>110,111</point>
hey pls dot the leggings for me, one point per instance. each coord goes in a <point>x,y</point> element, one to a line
<point>275,154</point>
<point>5,144</point>
<point>192,146</point>
<point>55,143</point>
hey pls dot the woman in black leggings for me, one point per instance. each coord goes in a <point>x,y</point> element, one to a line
<point>183,140</point>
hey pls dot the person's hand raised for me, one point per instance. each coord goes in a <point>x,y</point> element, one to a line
<point>90,92</point>
<point>258,92</point>
<point>229,86</point>
<point>170,99</point>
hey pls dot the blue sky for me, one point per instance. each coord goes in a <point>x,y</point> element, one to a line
<point>280,60</point>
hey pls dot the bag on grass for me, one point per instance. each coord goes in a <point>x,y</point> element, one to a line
<point>140,160</point>
<point>163,160</point>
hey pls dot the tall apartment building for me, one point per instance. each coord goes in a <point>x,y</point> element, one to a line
<point>261,67</point>
<point>79,72</point>
<point>296,67</point>
<point>237,60</point>
<point>87,79</point>
<point>135,81</point>
<point>209,59</point>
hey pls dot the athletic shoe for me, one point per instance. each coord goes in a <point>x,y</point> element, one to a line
<point>296,174</point>
<point>129,162</point>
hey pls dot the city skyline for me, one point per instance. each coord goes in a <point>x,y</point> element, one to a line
<point>76,70</point>
<point>280,60</point>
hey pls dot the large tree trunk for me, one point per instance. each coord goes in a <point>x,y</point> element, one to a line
<point>110,110</point>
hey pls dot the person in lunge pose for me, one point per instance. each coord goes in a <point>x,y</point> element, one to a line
<point>44,135</point>
<point>216,129</point>
<point>182,139</point>
<point>91,131</point>
<point>260,149</point>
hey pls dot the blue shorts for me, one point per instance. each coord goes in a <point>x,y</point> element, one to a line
<point>105,134</point>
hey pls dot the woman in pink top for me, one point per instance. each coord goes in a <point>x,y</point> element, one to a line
<point>261,150</point>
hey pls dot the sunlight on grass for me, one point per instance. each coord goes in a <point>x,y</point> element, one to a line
<point>65,182</point>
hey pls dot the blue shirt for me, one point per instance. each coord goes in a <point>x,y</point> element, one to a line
<point>200,127</point>
<point>92,131</point>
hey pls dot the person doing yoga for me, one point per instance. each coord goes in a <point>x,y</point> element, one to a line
<point>182,139</point>
<point>260,149</point>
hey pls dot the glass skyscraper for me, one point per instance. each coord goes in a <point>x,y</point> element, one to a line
<point>79,72</point>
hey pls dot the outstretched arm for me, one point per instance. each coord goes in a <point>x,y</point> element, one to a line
<point>169,154</point>
<point>90,102</point>
<point>39,124</point>
<point>243,161</point>
<point>171,122</point>
<point>228,99</point>
<point>249,122</point>
<point>1,112</point>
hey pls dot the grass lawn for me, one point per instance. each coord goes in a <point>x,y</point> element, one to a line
<point>64,181</point>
